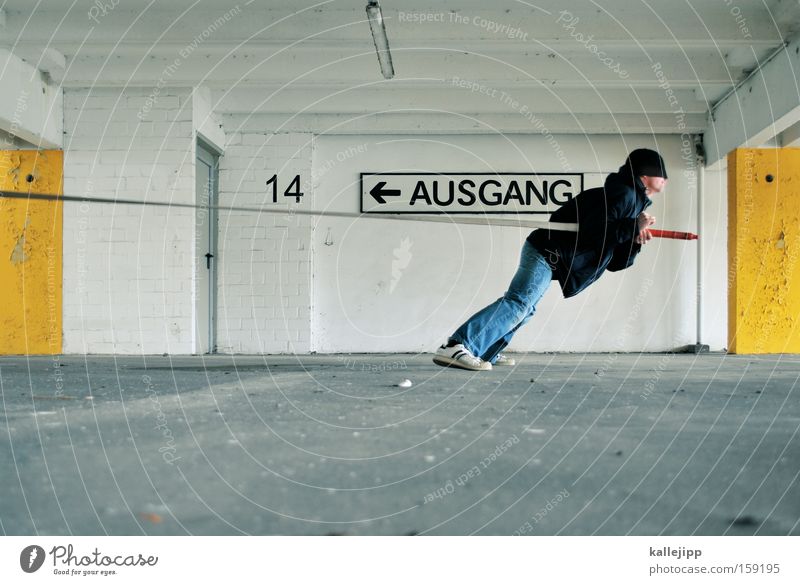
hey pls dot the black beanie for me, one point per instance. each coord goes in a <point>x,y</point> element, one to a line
<point>646,162</point>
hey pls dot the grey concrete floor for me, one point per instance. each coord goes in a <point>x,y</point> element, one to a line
<point>560,444</point>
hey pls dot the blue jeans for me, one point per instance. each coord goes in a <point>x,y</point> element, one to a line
<point>490,330</point>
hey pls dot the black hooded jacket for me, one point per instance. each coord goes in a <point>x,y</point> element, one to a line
<point>607,225</point>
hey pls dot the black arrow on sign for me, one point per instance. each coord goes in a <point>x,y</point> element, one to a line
<point>378,192</point>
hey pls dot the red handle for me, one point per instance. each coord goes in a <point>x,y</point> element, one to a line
<point>673,235</point>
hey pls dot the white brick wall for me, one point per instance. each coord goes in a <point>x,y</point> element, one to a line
<point>128,269</point>
<point>265,260</point>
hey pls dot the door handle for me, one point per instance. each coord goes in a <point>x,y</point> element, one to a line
<point>209,256</point>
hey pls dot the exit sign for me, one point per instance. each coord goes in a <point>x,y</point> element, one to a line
<point>485,193</point>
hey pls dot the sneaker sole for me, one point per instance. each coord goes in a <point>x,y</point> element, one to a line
<point>447,362</point>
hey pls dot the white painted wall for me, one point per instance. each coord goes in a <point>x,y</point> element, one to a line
<point>128,269</point>
<point>451,272</point>
<point>207,124</point>
<point>265,260</point>
<point>715,260</point>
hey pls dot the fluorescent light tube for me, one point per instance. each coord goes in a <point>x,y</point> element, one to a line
<point>379,36</point>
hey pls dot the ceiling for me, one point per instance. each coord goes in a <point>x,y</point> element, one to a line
<point>610,65</point>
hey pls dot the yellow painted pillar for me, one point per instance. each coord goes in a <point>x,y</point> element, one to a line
<point>763,250</point>
<point>31,253</point>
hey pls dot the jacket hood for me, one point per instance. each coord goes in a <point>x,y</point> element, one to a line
<point>625,176</point>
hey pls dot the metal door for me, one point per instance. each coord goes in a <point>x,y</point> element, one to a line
<point>206,193</point>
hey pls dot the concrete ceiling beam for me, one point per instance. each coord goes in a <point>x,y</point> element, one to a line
<point>758,109</point>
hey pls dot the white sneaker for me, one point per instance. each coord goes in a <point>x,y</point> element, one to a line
<point>459,356</point>
<point>504,360</point>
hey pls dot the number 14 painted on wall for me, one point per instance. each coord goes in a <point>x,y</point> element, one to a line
<point>293,190</point>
